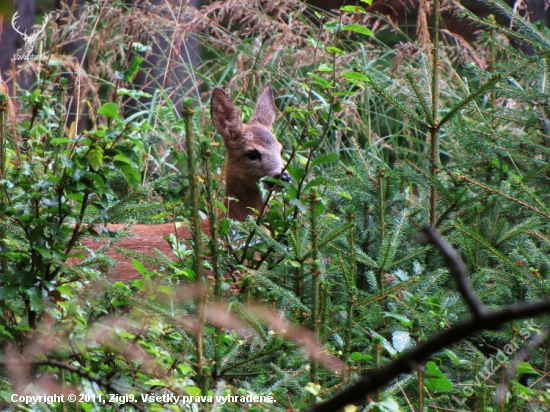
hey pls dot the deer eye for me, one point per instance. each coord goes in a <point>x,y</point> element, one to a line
<point>253,155</point>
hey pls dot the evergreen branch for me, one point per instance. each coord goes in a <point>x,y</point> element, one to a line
<point>184,322</point>
<point>481,241</point>
<point>280,291</point>
<point>363,258</point>
<point>412,256</point>
<point>493,25</point>
<point>529,192</point>
<point>388,250</point>
<point>536,173</point>
<point>11,228</point>
<point>256,325</point>
<point>523,227</point>
<point>253,358</point>
<point>434,87</point>
<point>383,92</point>
<point>498,192</point>
<point>525,26</point>
<point>157,262</point>
<point>266,237</point>
<point>337,232</point>
<point>481,89</point>
<point>378,378</point>
<point>421,99</point>
<point>458,271</point>
<point>135,194</point>
<point>383,294</point>
<point>540,236</point>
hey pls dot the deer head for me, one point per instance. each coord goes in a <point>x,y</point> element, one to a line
<point>30,40</point>
<point>252,150</point>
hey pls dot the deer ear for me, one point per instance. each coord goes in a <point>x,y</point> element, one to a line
<point>225,115</point>
<point>264,112</point>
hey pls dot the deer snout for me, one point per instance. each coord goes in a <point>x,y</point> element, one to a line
<point>285,177</point>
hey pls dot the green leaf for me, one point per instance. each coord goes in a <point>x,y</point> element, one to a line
<point>324,159</point>
<point>336,50</point>
<point>435,380</point>
<point>356,356</point>
<point>318,181</point>
<point>122,287</point>
<point>355,76</point>
<point>64,289</point>
<point>525,368</point>
<point>404,320</point>
<point>95,157</point>
<point>332,26</point>
<point>136,94</point>
<point>344,195</point>
<point>298,204</point>
<point>133,68</point>
<point>320,80</point>
<point>5,333</point>
<point>357,29</point>
<point>387,405</point>
<point>325,68</point>
<point>452,356</point>
<point>313,142</point>
<point>313,43</point>
<point>353,9</point>
<point>296,173</point>
<point>133,177</point>
<point>140,268</point>
<point>109,110</point>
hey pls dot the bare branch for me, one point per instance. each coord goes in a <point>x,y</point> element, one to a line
<point>383,376</point>
<point>521,355</point>
<point>407,363</point>
<point>458,271</point>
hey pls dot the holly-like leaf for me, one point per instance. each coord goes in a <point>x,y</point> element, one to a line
<point>95,157</point>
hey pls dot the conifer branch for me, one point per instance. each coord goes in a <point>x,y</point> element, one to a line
<point>379,378</point>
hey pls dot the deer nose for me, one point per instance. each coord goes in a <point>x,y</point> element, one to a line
<point>285,177</point>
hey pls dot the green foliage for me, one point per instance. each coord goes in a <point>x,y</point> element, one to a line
<point>378,142</point>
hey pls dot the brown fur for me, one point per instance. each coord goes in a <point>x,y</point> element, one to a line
<point>244,169</point>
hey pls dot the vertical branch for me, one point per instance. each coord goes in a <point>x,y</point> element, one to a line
<point>350,282</point>
<point>3,108</point>
<point>382,220</point>
<point>378,349</point>
<point>435,62</point>
<point>194,184</point>
<point>201,368</point>
<point>315,272</point>
<point>206,153</point>
<point>420,387</point>
<point>434,126</point>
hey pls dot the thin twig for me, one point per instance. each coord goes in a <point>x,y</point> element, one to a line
<point>383,376</point>
<point>482,320</point>
<point>458,271</point>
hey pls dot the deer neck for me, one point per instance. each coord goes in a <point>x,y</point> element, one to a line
<point>246,199</point>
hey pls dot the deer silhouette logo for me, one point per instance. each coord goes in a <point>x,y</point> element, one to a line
<point>29,39</point>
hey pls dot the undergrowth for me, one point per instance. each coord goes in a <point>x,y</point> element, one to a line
<point>379,142</point>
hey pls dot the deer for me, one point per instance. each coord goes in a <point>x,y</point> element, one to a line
<point>252,152</point>
<point>30,40</point>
